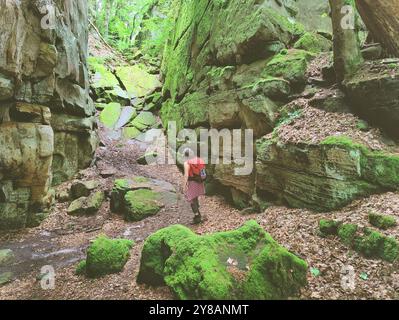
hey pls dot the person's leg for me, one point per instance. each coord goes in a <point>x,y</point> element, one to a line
<point>195,208</point>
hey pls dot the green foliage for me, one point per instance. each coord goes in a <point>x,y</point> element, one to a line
<point>129,23</point>
<point>382,221</point>
<point>105,256</point>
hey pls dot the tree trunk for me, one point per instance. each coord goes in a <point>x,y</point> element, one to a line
<point>347,55</point>
<point>382,19</point>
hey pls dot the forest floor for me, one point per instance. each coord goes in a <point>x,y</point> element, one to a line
<point>61,240</point>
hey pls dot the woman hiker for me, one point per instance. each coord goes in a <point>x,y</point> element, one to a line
<point>194,178</point>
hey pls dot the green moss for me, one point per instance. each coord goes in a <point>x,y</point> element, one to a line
<point>110,115</point>
<point>290,65</point>
<point>137,81</point>
<point>143,121</point>
<point>328,227</point>
<point>313,42</point>
<point>196,267</point>
<point>130,132</point>
<point>81,268</point>
<point>382,221</point>
<point>391,249</point>
<point>347,233</point>
<point>102,78</point>
<point>106,256</point>
<point>140,204</point>
<point>377,167</point>
<point>371,244</point>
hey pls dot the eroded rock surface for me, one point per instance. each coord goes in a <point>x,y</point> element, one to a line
<point>46,125</point>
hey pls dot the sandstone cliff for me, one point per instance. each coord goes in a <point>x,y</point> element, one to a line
<point>47,128</point>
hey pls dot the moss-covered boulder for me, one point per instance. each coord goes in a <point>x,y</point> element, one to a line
<point>141,203</point>
<point>105,256</point>
<point>325,175</point>
<point>368,242</point>
<point>328,227</point>
<point>82,188</point>
<point>381,221</point>
<point>5,278</point>
<point>137,81</point>
<point>130,132</point>
<point>87,205</point>
<point>102,78</point>
<point>6,257</point>
<point>290,65</point>
<point>139,197</point>
<point>242,264</point>
<point>143,121</point>
<point>373,92</point>
<point>110,114</point>
<point>314,43</point>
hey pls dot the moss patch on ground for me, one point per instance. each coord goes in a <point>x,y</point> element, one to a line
<point>368,242</point>
<point>105,256</point>
<point>241,264</point>
<point>381,221</point>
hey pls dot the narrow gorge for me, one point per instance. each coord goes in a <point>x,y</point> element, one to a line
<point>92,91</point>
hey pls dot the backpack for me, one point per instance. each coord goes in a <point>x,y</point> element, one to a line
<point>197,170</point>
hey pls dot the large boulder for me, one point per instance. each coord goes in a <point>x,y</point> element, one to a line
<point>374,90</point>
<point>323,176</point>
<point>242,264</point>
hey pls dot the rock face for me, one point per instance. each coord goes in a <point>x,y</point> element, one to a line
<point>242,264</point>
<point>323,176</point>
<point>238,78</point>
<point>374,92</point>
<point>46,124</point>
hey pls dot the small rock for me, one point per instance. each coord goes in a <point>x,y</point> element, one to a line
<point>87,205</point>
<point>83,189</point>
<point>62,196</point>
<point>5,277</point>
<point>6,257</point>
<point>107,172</point>
<point>143,160</point>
